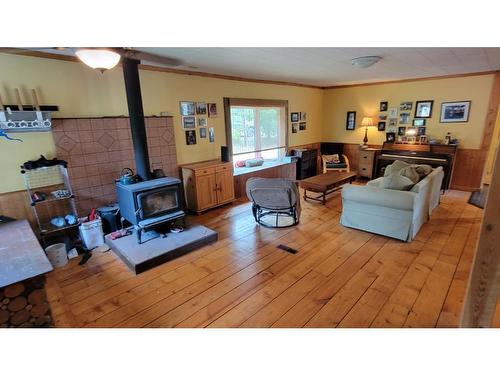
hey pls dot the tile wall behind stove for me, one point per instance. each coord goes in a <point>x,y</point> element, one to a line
<point>97,150</point>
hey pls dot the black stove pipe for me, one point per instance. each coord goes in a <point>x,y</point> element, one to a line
<point>136,115</point>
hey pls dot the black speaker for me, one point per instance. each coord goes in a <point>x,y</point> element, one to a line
<point>224,153</point>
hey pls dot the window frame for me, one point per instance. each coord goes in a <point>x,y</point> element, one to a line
<point>235,102</point>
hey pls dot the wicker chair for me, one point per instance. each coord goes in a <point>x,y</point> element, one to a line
<point>276,201</point>
<point>330,149</point>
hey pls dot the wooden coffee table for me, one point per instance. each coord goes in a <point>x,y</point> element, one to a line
<point>325,184</point>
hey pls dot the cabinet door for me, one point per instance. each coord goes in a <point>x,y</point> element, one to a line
<point>225,186</point>
<point>206,194</point>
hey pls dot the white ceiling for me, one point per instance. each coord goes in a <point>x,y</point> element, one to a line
<point>327,66</point>
<point>332,66</point>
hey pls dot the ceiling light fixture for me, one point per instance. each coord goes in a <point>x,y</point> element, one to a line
<point>365,61</point>
<point>101,59</point>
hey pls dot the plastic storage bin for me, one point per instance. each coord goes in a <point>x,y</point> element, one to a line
<point>57,255</point>
<point>92,234</point>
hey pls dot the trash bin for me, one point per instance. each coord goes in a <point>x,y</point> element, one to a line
<point>110,217</point>
<point>57,255</point>
<point>91,233</point>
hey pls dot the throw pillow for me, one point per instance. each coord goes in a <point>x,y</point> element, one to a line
<point>396,182</point>
<point>411,173</point>
<point>395,167</point>
<point>332,158</point>
<point>423,170</point>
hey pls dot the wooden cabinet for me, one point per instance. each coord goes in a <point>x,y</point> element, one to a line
<point>207,184</point>
<point>366,162</point>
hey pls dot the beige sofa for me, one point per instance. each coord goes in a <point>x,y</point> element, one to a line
<point>392,213</point>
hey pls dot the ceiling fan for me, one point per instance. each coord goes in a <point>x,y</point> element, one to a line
<point>105,58</point>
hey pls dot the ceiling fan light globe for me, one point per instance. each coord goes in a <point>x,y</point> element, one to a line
<point>98,58</point>
<point>365,61</point>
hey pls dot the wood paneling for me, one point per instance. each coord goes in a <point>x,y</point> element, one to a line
<point>484,284</point>
<point>468,170</point>
<point>17,205</point>
<point>280,171</point>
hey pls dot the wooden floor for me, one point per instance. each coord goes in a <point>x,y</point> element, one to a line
<point>339,278</point>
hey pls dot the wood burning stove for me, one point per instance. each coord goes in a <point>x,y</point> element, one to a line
<point>151,203</point>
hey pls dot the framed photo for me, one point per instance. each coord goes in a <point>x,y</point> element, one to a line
<point>411,139</point>
<point>455,111</point>
<point>384,106</point>
<point>350,123</point>
<point>381,126</point>
<point>203,132</point>
<point>424,140</point>
<point>303,116</point>
<point>423,108</point>
<point>201,108</point>
<point>189,122</point>
<point>295,127</point>
<point>393,112</point>
<point>382,117</point>
<point>294,117</point>
<point>421,130</point>
<point>390,137</point>
<point>302,126</point>
<point>405,106</point>
<point>419,122</point>
<point>404,118</point>
<point>187,108</point>
<point>211,135</point>
<point>202,121</point>
<point>190,137</point>
<point>212,109</point>
<point>401,130</point>
<point>393,122</point>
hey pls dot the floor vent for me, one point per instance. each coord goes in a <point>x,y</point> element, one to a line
<point>287,249</point>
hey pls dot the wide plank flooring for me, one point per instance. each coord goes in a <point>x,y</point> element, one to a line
<point>340,277</point>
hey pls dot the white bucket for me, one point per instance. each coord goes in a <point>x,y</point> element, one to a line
<point>57,254</point>
<point>92,234</point>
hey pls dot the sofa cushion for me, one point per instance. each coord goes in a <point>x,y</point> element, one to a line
<point>410,172</point>
<point>397,182</point>
<point>423,170</point>
<point>395,167</point>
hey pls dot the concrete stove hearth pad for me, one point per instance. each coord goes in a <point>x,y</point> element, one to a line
<point>140,258</point>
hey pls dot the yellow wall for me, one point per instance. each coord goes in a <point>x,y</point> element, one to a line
<point>365,100</point>
<point>82,92</point>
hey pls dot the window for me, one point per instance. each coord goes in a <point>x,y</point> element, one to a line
<point>256,128</point>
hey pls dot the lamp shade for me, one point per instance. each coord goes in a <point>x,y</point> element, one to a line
<point>98,58</point>
<point>367,121</point>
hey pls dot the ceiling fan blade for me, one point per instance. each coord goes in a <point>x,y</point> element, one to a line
<point>151,57</point>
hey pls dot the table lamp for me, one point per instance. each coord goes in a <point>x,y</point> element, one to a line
<point>366,122</point>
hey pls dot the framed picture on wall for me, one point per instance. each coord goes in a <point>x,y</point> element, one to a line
<point>381,126</point>
<point>201,108</point>
<point>302,126</point>
<point>303,116</point>
<point>401,130</point>
<point>421,130</point>
<point>294,117</point>
<point>405,106</point>
<point>393,112</point>
<point>190,137</point>
<point>203,132</point>
<point>390,137</point>
<point>211,135</point>
<point>202,121</point>
<point>295,127</point>
<point>212,109</point>
<point>350,123</point>
<point>419,122</point>
<point>423,108</point>
<point>187,108</point>
<point>404,118</point>
<point>189,122</point>
<point>383,106</point>
<point>455,111</point>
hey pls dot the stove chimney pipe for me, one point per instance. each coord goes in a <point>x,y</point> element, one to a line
<point>136,115</point>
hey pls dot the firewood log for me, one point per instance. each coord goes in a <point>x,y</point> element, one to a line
<point>37,297</point>
<point>39,310</point>
<point>14,290</point>
<point>20,317</point>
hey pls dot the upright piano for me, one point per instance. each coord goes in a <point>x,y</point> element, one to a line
<point>433,155</point>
